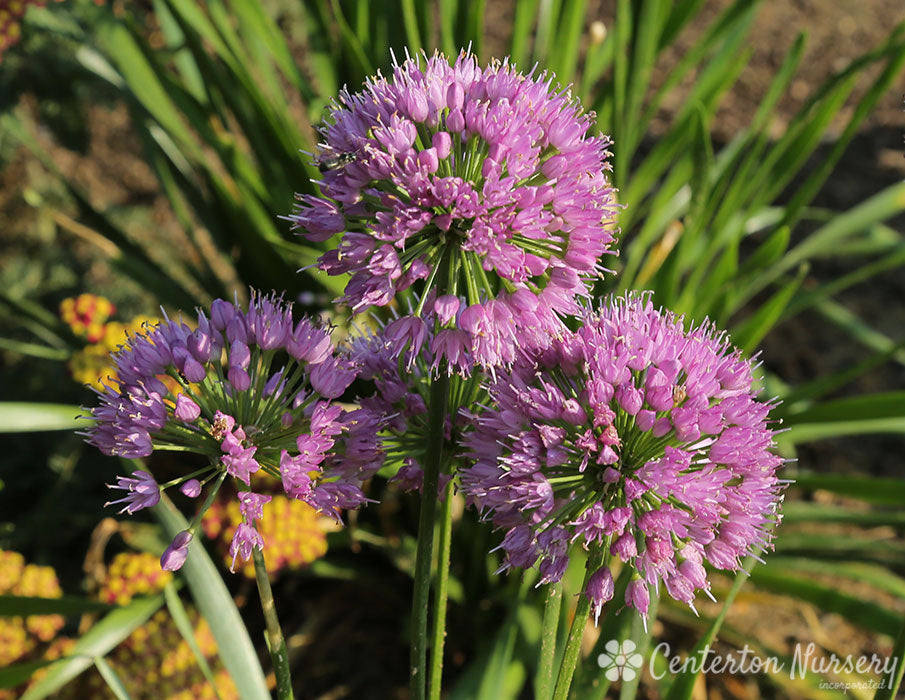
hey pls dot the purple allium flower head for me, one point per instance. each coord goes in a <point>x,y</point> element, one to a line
<point>635,437</point>
<point>251,386</point>
<point>493,174</point>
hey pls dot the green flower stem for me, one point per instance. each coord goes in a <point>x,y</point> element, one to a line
<point>441,595</point>
<point>211,495</point>
<point>433,460</point>
<point>275,641</point>
<point>573,645</point>
<point>552,606</point>
<point>439,397</point>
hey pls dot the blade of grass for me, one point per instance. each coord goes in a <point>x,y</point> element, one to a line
<point>254,20</point>
<point>863,613</point>
<point>808,512</point>
<point>97,641</point>
<point>876,575</point>
<point>22,606</point>
<point>889,404</point>
<point>883,205</point>
<point>410,22</point>
<point>645,47</point>
<point>448,10</point>
<point>14,675</point>
<point>352,44</point>
<point>857,415</point>
<point>720,74</point>
<point>492,682</point>
<point>824,385</point>
<point>24,417</point>
<point>621,38</point>
<point>874,490</point>
<point>24,308</point>
<point>680,14</point>
<point>475,24</point>
<point>185,64</point>
<point>598,58</point>
<point>112,679</point>
<point>181,619</point>
<point>880,87</point>
<point>748,334</point>
<point>835,547</point>
<point>525,13</point>
<point>864,273</point>
<point>568,40</point>
<point>35,350</point>
<point>547,20</point>
<point>858,329</point>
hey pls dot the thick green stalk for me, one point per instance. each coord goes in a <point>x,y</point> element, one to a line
<point>433,460</point>
<point>550,627</point>
<point>573,645</point>
<point>439,398</point>
<point>275,641</point>
<point>441,595</point>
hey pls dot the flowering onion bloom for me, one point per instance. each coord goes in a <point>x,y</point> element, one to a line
<point>485,170</point>
<point>251,391</point>
<point>400,365</point>
<point>637,439</point>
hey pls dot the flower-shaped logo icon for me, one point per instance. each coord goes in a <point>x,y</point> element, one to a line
<point>620,660</point>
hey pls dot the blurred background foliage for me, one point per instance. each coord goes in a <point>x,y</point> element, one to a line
<point>148,148</point>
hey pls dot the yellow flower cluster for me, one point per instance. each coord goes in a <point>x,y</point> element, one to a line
<point>156,663</point>
<point>19,636</point>
<point>294,534</point>
<point>87,315</point>
<point>131,574</point>
<point>11,12</point>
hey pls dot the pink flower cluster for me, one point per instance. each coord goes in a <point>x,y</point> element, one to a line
<point>483,170</point>
<point>250,390</point>
<point>634,437</point>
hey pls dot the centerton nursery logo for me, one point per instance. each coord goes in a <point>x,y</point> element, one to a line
<point>622,661</point>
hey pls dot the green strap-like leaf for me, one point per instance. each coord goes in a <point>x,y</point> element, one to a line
<point>871,489</point>
<point>97,641</point>
<point>829,598</point>
<point>22,606</point>
<point>22,417</point>
<point>181,619</point>
<point>112,679</point>
<point>14,675</point>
